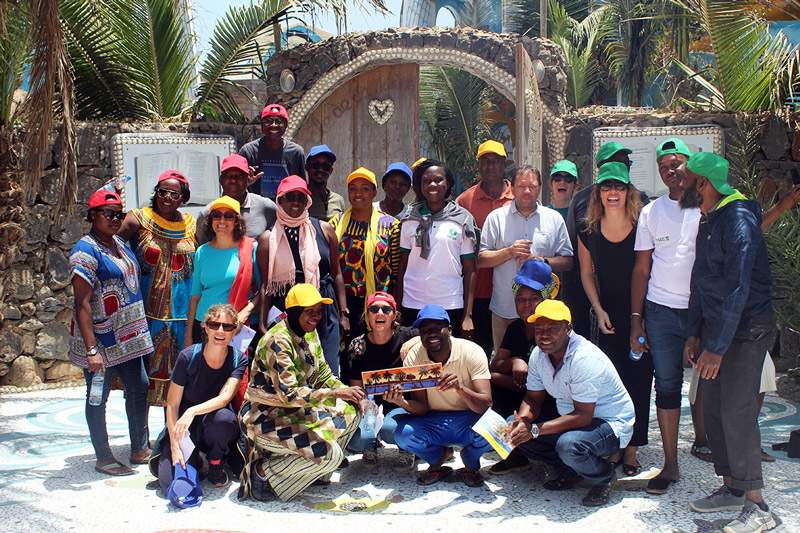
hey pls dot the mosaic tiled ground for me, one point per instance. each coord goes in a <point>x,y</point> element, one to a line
<point>47,483</point>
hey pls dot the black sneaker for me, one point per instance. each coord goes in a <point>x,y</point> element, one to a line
<point>511,463</point>
<point>259,487</point>
<point>217,475</point>
<point>599,494</point>
<point>567,479</point>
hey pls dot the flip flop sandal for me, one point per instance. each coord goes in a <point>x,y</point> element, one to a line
<point>631,470</point>
<point>658,485</point>
<point>429,478</point>
<point>471,478</point>
<point>141,458</point>
<point>120,470</point>
<point>703,453</point>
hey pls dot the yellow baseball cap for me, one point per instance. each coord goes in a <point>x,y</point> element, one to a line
<point>364,173</point>
<point>552,309</point>
<point>417,163</point>
<point>304,295</point>
<point>225,201</point>
<point>491,147</point>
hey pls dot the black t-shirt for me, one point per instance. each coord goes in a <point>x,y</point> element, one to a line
<point>201,382</point>
<point>516,342</point>
<point>366,356</point>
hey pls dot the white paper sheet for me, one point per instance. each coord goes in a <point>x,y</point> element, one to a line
<point>187,447</point>
<point>242,339</point>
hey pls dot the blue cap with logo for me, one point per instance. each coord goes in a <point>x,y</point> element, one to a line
<point>431,312</point>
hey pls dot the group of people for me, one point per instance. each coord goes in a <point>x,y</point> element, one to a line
<point>471,283</point>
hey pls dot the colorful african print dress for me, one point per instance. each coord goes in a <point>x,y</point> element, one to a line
<point>120,327</point>
<point>165,251</point>
<point>294,421</point>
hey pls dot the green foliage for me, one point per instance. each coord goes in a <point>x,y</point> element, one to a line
<point>15,45</point>
<point>522,16</point>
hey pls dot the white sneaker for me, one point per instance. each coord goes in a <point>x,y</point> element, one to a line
<point>751,520</point>
<point>406,462</point>
<point>719,500</point>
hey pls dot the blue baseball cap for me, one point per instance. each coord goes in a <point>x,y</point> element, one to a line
<point>431,312</point>
<point>397,167</point>
<point>321,149</point>
<point>534,274</point>
<point>185,491</point>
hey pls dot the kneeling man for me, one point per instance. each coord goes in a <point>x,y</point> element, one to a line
<point>596,412</point>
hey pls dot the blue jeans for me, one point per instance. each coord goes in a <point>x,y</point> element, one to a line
<point>362,444</point>
<point>134,377</point>
<point>427,436</point>
<point>583,450</point>
<point>666,334</point>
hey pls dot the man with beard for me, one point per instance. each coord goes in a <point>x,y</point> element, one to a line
<point>272,158</point>
<point>325,204</point>
<point>443,417</point>
<point>731,325</point>
<point>665,244</point>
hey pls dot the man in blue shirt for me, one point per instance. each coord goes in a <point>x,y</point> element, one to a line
<point>596,412</point>
<point>731,326</point>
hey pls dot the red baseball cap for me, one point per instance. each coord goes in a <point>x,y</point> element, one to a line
<point>292,183</point>
<point>381,296</point>
<point>172,175</point>
<point>235,161</point>
<point>103,197</point>
<point>275,110</point>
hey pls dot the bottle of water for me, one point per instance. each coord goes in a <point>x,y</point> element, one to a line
<point>370,409</point>
<point>635,356</point>
<point>96,388</point>
<point>119,180</point>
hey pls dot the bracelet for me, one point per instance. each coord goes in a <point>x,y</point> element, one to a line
<point>636,314</point>
<point>345,312</point>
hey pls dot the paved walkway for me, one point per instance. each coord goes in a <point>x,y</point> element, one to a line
<point>48,483</point>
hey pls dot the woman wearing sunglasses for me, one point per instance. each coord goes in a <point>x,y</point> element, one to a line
<point>301,249</point>
<point>109,328</point>
<point>379,349</point>
<point>224,268</point>
<point>203,384</point>
<point>563,182</point>
<point>607,257</point>
<point>163,240</point>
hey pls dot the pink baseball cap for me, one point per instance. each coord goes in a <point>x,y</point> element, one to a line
<point>293,183</point>
<point>381,296</point>
<point>235,161</point>
<point>275,110</point>
<point>172,175</point>
<point>104,197</point>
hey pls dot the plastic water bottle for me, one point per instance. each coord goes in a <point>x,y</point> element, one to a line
<point>635,356</point>
<point>96,388</point>
<point>370,409</point>
<point>119,180</point>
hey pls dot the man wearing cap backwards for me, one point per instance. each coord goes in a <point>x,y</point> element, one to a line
<point>325,204</point>
<point>596,412</point>
<point>665,245</point>
<point>731,326</point>
<point>563,182</point>
<point>259,213</point>
<point>491,192</point>
<point>272,158</point>
<point>515,233</point>
<point>443,416</point>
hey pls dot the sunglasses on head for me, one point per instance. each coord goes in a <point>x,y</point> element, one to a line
<point>316,165</point>
<point>110,214</point>
<point>227,215</point>
<point>168,193</point>
<point>616,185</point>
<point>375,309</point>
<point>214,326</point>
<point>568,178</point>
<point>292,197</point>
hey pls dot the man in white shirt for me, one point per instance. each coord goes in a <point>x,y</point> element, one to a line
<point>665,250</point>
<point>511,235</point>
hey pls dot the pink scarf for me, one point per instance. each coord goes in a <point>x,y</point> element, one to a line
<point>281,261</point>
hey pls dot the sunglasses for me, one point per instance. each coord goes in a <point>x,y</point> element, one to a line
<point>277,121</point>
<point>295,197</point>
<point>316,165</point>
<point>375,309</point>
<point>110,214</point>
<point>214,326</point>
<point>562,177</point>
<point>616,185</point>
<point>227,215</point>
<point>167,193</point>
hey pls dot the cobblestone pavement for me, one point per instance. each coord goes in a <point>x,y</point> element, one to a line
<point>48,483</point>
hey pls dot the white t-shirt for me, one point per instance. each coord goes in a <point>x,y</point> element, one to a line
<point>437,280</point>
<point>671,233</point>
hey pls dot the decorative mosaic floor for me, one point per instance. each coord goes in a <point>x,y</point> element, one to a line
<point>48,483</point>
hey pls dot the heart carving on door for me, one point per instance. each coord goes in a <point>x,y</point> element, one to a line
<point>381,110</point>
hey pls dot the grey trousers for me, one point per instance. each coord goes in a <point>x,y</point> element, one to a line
<point>730,405</point>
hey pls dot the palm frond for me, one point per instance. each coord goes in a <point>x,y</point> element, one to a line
<point>15,55</point>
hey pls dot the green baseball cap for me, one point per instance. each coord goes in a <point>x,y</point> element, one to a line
<point>714,168</point>
<point>672,146</point>
<point>609,149</point>
<point>613,170</point>
<point>565,166</point>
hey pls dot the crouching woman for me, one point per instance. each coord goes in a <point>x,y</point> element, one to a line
<point>298,416</point>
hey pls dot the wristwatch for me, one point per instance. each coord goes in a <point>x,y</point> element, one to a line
<point>534,430</point>
<point>91,352</point>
